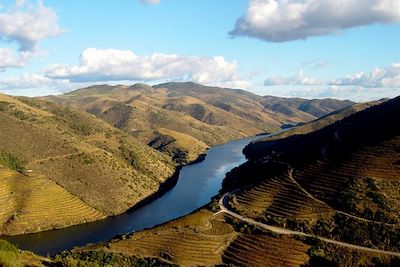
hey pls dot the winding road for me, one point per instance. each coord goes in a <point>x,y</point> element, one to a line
<point>290,175</point>
<point>283,231</point>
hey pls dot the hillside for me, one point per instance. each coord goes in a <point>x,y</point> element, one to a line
<point>59,167</point>
<point>315,107</point>
<point>322,121</point>
<point>340,183</point>
<point>166,115</point>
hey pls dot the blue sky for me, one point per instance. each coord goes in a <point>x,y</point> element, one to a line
<point>311,49</point>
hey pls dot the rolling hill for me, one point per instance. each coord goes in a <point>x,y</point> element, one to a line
<point>60,166</point>
<point>184,119</point>
<point>315,107</point>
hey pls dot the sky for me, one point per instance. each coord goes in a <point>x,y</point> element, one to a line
<point>345,49</point>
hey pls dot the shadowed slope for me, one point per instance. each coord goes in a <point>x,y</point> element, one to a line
<point>349,168</point>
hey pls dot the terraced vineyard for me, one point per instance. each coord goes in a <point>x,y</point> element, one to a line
<point>207,239</point>
<point>32,204</point>
<point>325,180</point>
<point>278,196</point>
<point>197,239</point>
<point>264,250</point>
<point>183,247</point>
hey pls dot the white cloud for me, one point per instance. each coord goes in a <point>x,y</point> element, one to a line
<point>315,64</point>
<point>114,65</point>
<point>388,77</point>
<point>150,2</point>
<point>284,20</point>
<point>27,24</point>
<point>33,85</point>
<point>29,81</point>
<point>378,83</point>
<point>299,79</point>
<point>9,59</point>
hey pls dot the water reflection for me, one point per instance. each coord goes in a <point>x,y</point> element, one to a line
<point>196,185</point>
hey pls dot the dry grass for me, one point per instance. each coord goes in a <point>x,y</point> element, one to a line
<point>278,196</point>
<point>105,168</point>
<point>193,146</point>
<point>209,115</point>
<point>264,250</point>
<point>33,203</point>
<point>197,239</point>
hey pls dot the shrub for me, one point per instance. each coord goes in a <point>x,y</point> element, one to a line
<point>9,160</point>
<point>5,246</point>
<point>8,255</point>
<point>101,258</point>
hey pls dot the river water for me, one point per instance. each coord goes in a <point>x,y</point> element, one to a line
<point>196,185</point>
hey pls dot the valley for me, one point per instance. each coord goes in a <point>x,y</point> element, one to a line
<point>148,133</point>
<point>314,190</point>
<point>335,208</point>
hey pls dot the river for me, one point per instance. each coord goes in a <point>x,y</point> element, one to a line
<point>196,185</point>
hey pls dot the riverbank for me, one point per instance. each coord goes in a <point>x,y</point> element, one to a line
<point>191,187</point>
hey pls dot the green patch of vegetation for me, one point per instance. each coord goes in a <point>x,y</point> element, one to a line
<point>367,197</point>
<point>9,160</point>
<point>366,234</point>
<point>73,120</point>
<point>274,220</point>
<point>7,247</point>
<point>323,254</point>
<point>9,255</point>
<point>88,161</point>
<point>30,102</point>
<point>4,105</point>
<point>132,158</point>
<point>245,228</point>
<point>102,258</point>
<point>20,114</point>
<point>213,206</point>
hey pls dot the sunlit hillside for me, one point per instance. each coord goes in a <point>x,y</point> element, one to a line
<point>163,116</point>
<point>68,159</point>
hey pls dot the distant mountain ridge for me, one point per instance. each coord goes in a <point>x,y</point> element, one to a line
<point>316,107</point>
<point>172,112</point>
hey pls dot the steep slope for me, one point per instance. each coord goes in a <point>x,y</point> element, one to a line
<point>69,159</point>
<point>323,121</point>
<point>340,182</point>
<point>31,204</point>
<point>210,115</point>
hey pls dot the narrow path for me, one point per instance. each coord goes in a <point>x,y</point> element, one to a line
<point>290,175</point>
<point>283,231</point>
